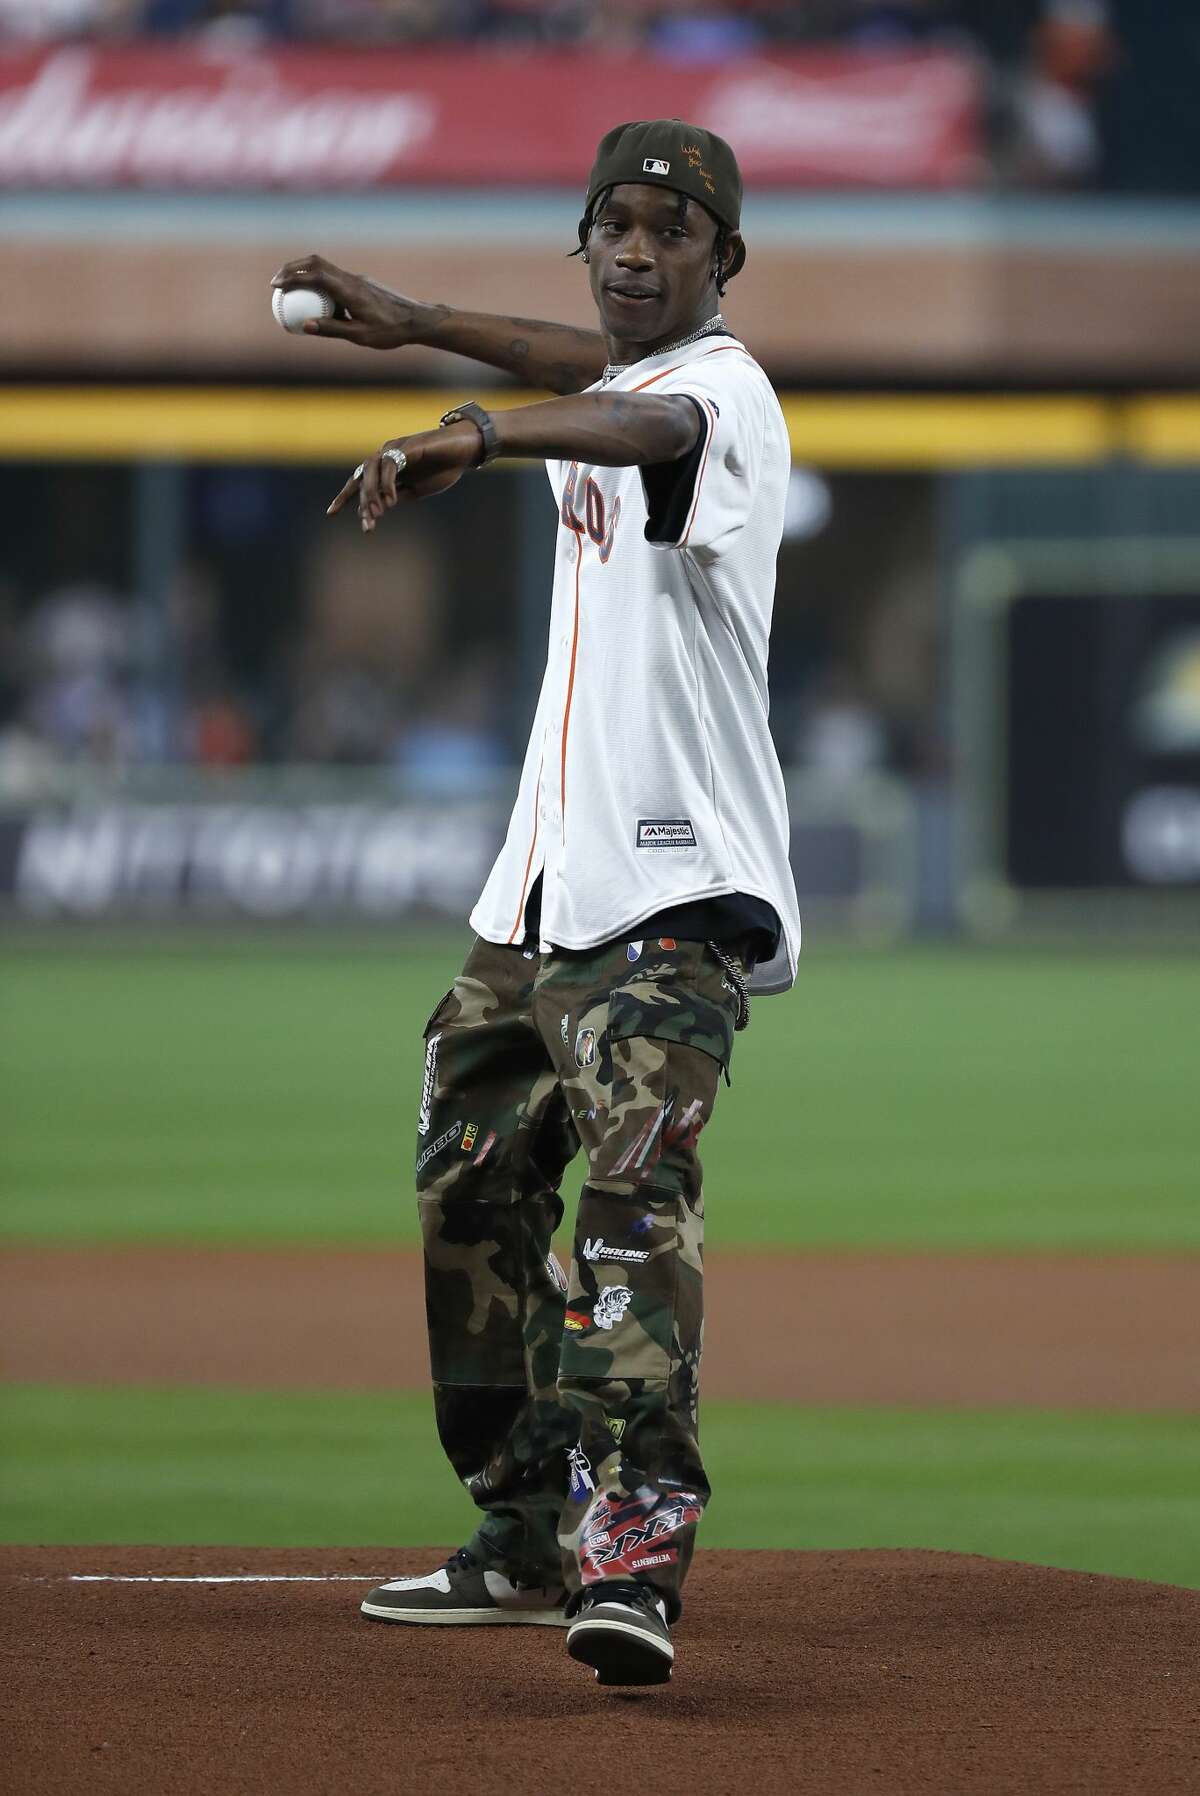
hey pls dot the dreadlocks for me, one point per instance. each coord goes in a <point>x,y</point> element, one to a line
<point>720,241</point>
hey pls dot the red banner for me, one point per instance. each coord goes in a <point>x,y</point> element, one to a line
<point>306,119</point>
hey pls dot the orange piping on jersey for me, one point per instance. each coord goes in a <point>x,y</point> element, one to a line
<point>570,681</point>
<point>663,373</point>
<point>537,792</point>
<point>700,477</point>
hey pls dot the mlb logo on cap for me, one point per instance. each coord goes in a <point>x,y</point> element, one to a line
<point>654,165</point>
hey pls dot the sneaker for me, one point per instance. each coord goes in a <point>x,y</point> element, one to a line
<point>621,1631</point>
<point>469,1593</point>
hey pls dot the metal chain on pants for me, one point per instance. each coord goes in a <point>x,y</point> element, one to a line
<point>730,967</point>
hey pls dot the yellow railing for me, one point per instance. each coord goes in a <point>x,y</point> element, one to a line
<point>270,424</point>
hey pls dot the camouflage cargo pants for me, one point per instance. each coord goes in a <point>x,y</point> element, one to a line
<point>569,1408</point>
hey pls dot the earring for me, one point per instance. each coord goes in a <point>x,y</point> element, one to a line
<point>586,256</point>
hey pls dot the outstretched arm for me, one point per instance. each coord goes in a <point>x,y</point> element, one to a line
<point>556,356</point>
<point>609,430</point>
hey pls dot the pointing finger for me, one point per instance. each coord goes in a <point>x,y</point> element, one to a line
<point>350,488</point>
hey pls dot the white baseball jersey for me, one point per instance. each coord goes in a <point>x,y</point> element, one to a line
<point>651,779</point>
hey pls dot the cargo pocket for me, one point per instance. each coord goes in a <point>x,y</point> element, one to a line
<point>669,1012</point>
<point>667,1048</point>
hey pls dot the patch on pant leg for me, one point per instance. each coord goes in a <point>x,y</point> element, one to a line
<point>579,1466</point>
<point>626,1534</point>
<point>428,1081</point>
<point>621,1303</point>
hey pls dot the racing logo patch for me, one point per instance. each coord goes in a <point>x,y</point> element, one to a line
<point>599,1249</point>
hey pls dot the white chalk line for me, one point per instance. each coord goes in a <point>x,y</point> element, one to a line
<point>234,1578</point>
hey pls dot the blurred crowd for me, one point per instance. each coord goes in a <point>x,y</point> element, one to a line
<point>276,642</point>
<point>687,26</point>
<point>1079,92</point>
<point>78,692</point>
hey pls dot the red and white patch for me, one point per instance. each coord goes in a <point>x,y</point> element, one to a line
<point>623,1535</point>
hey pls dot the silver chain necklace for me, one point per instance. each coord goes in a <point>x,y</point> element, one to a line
<point>716,323</point>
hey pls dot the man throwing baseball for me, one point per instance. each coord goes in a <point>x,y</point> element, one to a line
<point>644,877</point>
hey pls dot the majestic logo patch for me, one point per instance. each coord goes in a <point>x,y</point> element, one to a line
<point>611,1305</point>
<point>585,1048</point>
<point>665,832</point>
<point>600,1250</point>
<point>654,165</point>
<point>435,1147</point>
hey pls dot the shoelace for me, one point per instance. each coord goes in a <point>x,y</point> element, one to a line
<point>639,1596</point>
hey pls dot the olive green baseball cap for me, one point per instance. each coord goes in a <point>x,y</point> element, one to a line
<point>669,152</point>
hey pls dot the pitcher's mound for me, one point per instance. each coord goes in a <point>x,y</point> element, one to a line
<point>841,1673</point>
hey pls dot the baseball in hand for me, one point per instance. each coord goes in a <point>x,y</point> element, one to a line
<point>294,307</point>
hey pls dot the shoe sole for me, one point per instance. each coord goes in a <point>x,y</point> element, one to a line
<point>467,1618</point>
<point>620,1652</point>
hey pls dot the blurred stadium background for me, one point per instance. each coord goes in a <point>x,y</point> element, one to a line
<point>253,771</point>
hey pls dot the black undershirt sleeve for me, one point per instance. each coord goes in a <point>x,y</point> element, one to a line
<point>671,485</point>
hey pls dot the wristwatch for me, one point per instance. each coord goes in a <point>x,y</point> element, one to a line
<point>471,413</point>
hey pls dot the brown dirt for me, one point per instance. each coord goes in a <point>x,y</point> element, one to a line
<point>836,1673</point>
<point>916,1329</point>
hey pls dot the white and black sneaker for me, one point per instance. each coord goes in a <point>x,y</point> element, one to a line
<point>469,1593</point>
<point>621,1632</point>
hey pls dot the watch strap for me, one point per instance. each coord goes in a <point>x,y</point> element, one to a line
<point>471,413</point>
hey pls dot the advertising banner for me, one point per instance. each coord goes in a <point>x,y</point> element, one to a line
<point>99,857</point>
<point>1103,742</point>
<point>82,117</point>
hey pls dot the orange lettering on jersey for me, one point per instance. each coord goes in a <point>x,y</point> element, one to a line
<point>570,520</point>
<point>594,510</point>
<point>605,548</point>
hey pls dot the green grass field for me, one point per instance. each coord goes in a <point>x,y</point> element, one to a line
<point>1098,1493</point>
<point>264,1092</point>
<point>927,1099</point>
